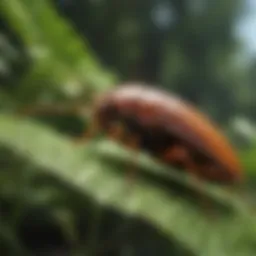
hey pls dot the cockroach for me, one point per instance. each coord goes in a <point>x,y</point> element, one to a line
<point>168,128</point>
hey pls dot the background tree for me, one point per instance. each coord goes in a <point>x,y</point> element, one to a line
<point>186,46</point>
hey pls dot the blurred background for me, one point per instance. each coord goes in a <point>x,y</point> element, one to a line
<point>57,199</point>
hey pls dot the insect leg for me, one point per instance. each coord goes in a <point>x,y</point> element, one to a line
<point>91,132</point>
<point>133,143</point>
<point>179,155</point>
<point>195,171</point>
<point>117,131</point>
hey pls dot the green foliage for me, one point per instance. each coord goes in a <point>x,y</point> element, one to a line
<point>82,195</point>
<point>89,171</point>
<point>60,58</point>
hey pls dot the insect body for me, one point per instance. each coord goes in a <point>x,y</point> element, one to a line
<point>169,129</point>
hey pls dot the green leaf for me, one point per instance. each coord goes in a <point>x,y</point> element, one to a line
<point>61,58</point>
<point>87,170</point>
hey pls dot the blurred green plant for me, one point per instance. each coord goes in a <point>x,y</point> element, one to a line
<point>90,171</point>
<point>61,61</point>
<point>81,194</point>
